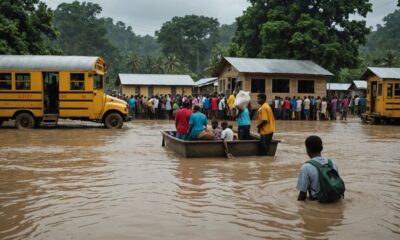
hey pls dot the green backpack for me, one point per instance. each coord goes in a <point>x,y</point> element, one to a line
<point>331,184</point>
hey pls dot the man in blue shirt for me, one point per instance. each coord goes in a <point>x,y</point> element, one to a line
<point>197,123</point>
<point>243,122</point>
<point>132,105</point>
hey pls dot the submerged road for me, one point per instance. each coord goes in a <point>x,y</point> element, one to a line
<point>87,182</point>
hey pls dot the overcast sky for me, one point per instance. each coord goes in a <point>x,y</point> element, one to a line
<point>147,16</point>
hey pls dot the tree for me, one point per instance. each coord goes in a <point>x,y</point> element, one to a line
<point>387,36</point>
<point>25,26</point>
<point>83,33</point>
<point>318,30</point>
<point>390,59</point>
<point>135,62</point>
<point>190,38</point>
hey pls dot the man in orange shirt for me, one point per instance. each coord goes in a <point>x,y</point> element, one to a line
<point>265,123</point>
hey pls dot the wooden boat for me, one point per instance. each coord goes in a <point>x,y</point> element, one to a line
<point>215,148</point>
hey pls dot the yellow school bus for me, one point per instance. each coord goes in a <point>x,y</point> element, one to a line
<point>38,90</point>
<point>383,95</point>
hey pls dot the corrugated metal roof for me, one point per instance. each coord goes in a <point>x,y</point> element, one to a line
<point>386,73</point>
<point>156,79</point>
<point>47,63</point>
<point>338,86</point>
<point>205,81</point>
<point>282,66</point>
<point>360,84</point>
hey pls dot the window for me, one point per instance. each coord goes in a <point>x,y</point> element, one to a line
<point>23,81</point>
<point>173,91</point>
<point>137,90</point>
<point>305,86</point>
<point>5,81</point>
<point>77,81</point>
<point>280,85</point>
<point>389,92</point>
<point>380,89</point>
<point>397,90</point>
<point>151,91</point>
<point>98,81</point>
<point>258,85</point>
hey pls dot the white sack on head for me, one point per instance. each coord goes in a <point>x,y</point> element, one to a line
<point>242,100</point>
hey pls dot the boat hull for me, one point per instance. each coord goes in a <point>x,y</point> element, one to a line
<point>215,148</point>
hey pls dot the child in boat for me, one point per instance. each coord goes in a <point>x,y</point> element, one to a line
<point>227,133</point>
<point>216,130</point>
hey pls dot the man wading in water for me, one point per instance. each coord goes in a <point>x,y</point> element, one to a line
<point>319,176</point>
<point>265,123</point>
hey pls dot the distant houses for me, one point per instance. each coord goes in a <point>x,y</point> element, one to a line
<point>206,86</point>
<point>275,77</point>
<point>154,84</point>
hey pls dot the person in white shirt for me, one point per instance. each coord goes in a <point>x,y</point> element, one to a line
<point>324,105</point>
<point>307,104</point>
<point>221,108</point>
<point>298,108</point>
<point>356,101</point>
<point>227,133</point>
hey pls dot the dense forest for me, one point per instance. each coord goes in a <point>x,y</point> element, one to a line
<point>315,30</point>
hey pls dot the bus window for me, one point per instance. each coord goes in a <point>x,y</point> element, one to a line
<point>77,81</point>
<point>98,81</point>
<point>5,81</point>
<point>389,92</point>
<point>23,81</point>
<point>397,90</point>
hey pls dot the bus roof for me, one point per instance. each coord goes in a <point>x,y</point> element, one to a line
<point>48,63</point>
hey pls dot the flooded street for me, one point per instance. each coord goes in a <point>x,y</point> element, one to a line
<point>79,182</point>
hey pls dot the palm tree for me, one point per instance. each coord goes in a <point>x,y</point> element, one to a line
<point>171,64</point>
<point>134,62</point>
<point>390,59</point>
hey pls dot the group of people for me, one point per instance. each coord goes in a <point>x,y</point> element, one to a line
<point>165,106</point>
<point>191,120</point>
<point>311,108</point>
<point>192,125</point>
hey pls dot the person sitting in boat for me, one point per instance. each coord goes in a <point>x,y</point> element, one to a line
<point>198,126</point>
<point>227,133</point>
<point>216,130</point>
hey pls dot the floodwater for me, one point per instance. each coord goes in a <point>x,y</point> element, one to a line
<point>87,182</point>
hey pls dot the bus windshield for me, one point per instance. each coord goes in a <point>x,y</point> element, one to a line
<point>98,81</point>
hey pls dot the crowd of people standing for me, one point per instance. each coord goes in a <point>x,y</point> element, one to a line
<point>317,108</point>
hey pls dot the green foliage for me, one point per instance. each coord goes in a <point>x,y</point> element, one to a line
<point>314,30</point>
<point>25,26</point>
<point>387,36</point>
<point>190,38</point>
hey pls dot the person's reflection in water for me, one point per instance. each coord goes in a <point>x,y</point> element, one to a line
<point>319,221</point>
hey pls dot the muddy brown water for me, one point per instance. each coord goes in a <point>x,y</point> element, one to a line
<point>86,182</point>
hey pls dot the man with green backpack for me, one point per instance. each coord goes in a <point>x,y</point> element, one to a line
<point>319,176</point>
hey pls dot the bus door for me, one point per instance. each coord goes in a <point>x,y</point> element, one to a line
<point>51,92</point>
<point>98,94</point>
<point>374,90</point>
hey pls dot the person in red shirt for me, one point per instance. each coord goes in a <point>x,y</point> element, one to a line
<point>182,121</point>
<point>286,108</point>
<point>214,107</point>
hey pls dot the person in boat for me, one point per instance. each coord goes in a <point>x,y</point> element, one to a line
<point>265,123</point>
<point>182,121</point>
<point>243,122</point>
<point>198,126</point>
<point>227,133</point>
<point>216,130</point>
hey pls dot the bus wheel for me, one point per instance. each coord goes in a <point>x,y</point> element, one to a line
<point>114,120</point>
<point>24,121</point>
